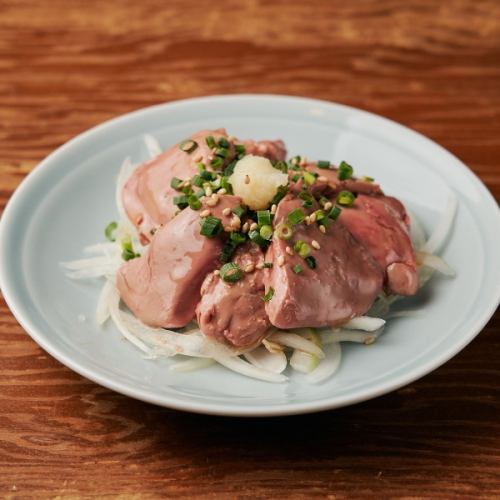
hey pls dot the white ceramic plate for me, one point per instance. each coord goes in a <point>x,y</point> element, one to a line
<point>66,202</point>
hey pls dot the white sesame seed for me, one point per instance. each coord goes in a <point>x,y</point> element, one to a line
<point>210,157</point>
<point>226,211</point>
<point>208,191</point>
<point>216,272</point>
<point>187,180</point>
<point>322,178</point>
<point>312,217</point>
<point>281,260</point>
<point>249,268</point>
<point>222,191</point>
<point>253,226</point>
<point>205,213</point>
<point>307,220</point>
<point>228,229</point>
<point>231,138</point>
<point>236,222</point>
<point>322,229</point>
<point>260,265</point>
<point>273,209</point>
<point>198,158</point>
<point>289,251</point>
<point>328,205</point>
<point>245,227</point>
<point>247,179</point>
<point>212,202</point>
<point>315,244</point>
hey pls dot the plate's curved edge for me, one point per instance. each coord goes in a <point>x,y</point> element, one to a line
<point>215,409</point>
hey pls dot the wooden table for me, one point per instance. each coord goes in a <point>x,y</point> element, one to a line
<point>66,65</point>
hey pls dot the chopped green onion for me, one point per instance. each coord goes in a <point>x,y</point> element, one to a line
<point>227,251</point>
<point>211,227</point>
<point>295,177</point>
<point>200,166</point>
<point>128,251</point>
<point>302,248</point>
<point>239,211</point>
<point>269,295</point>
<point>188,146</point>
<point>187,189</point>
<point>280,194</point>
<point>222,152</point>
<point>175,182</point>
<point>284,231</point>
<point>320,215</point>
<point>281,165</point>
<point>345,198</point>
<point>263,217</point>
<point>237,238</point>
<point>295,160</point>
<point>194,202</point>
<point>200,193</point>
<point>266,232</point>
<point>345,171</point>
<point>207,175</point>
<point>257,238</point>
<point>309,178</point>
<point>311,261</point>
<point>181,201</point>
<point>307,199</point>
<point>210,141</point>
<point>240,149</point>
<point>224,143</point>
<point>109,230</point>
<point>228,171</point>
<point>366,178</point>
<point>334,212</point>
<point>297,269</point>
<point>323,164</point>
<point>197,181</point>
<point>225,184</point>
<point>268,265</point>
<point>296,216</point>
<point>231,272</point>
<point>323,201</point>
<point>217,163</point>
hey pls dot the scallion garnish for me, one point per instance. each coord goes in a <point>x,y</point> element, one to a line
<point>211,227</point>
<point>175,183</point>
<point>345,198</point>
<point>334,212</point>
<point>257,238</point>
<point>197,181</point>
<point>227,251</point>
<point>128,251</point>
<point>194,202</point>
<point>237,238</point>
<point>309,178</point>
<point>225,184</point>
<point>240,149</point>
<point>284,231</point>
<point>231,272</point>
<point>280,194</point>
<point>323,164</point>
<point>239,211</point>
<point>263,217</point>
<point>187,189</point>
<point>295,177</point>
<point>345,171</point>
<point>302,248</point>
<point>210,141</point>
<point>200,166</point>
<point>297,269</point>
<point>109,230</point>
<point>181,201</point>
<point>224,143</point>
<point>200,193</point>
<point>296,216</point>
<point>228,171</point>
<point>217,163</point>
<point>207,175</point>
<point>269,295</point>
<point>222,152</point>
<point>266,232</point>
<point>188,146</point>
<point>366,178</point>
<point>311,261</point>
<point>268,265</point>
<point>307,199</point>
<point>320,215</point>
<point>281,165</point>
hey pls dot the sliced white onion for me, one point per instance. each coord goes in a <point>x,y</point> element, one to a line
<point>405,314</point>
<point>365,323</point>
<point>271,361</point>
<point>417,232</point>
<point>443,227</point>
<point>435,262</point>
<point>303,362</point>
<point>328,366</point>
<point>191,365</point>
<point>238,365</point>
<point>108,248</point>
<point>102,310</point>
<point>152,145</point>
<point>340,335</point>
<point>296,342</point>
<point>95,272</point>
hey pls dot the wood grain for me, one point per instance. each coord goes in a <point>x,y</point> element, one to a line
<point>66,65</point>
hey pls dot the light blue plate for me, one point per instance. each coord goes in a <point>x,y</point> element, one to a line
<point>66,202</point>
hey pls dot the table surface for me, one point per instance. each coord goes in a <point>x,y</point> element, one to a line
<point>68,65</point>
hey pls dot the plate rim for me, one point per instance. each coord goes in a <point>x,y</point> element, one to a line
<point>37,334</point>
